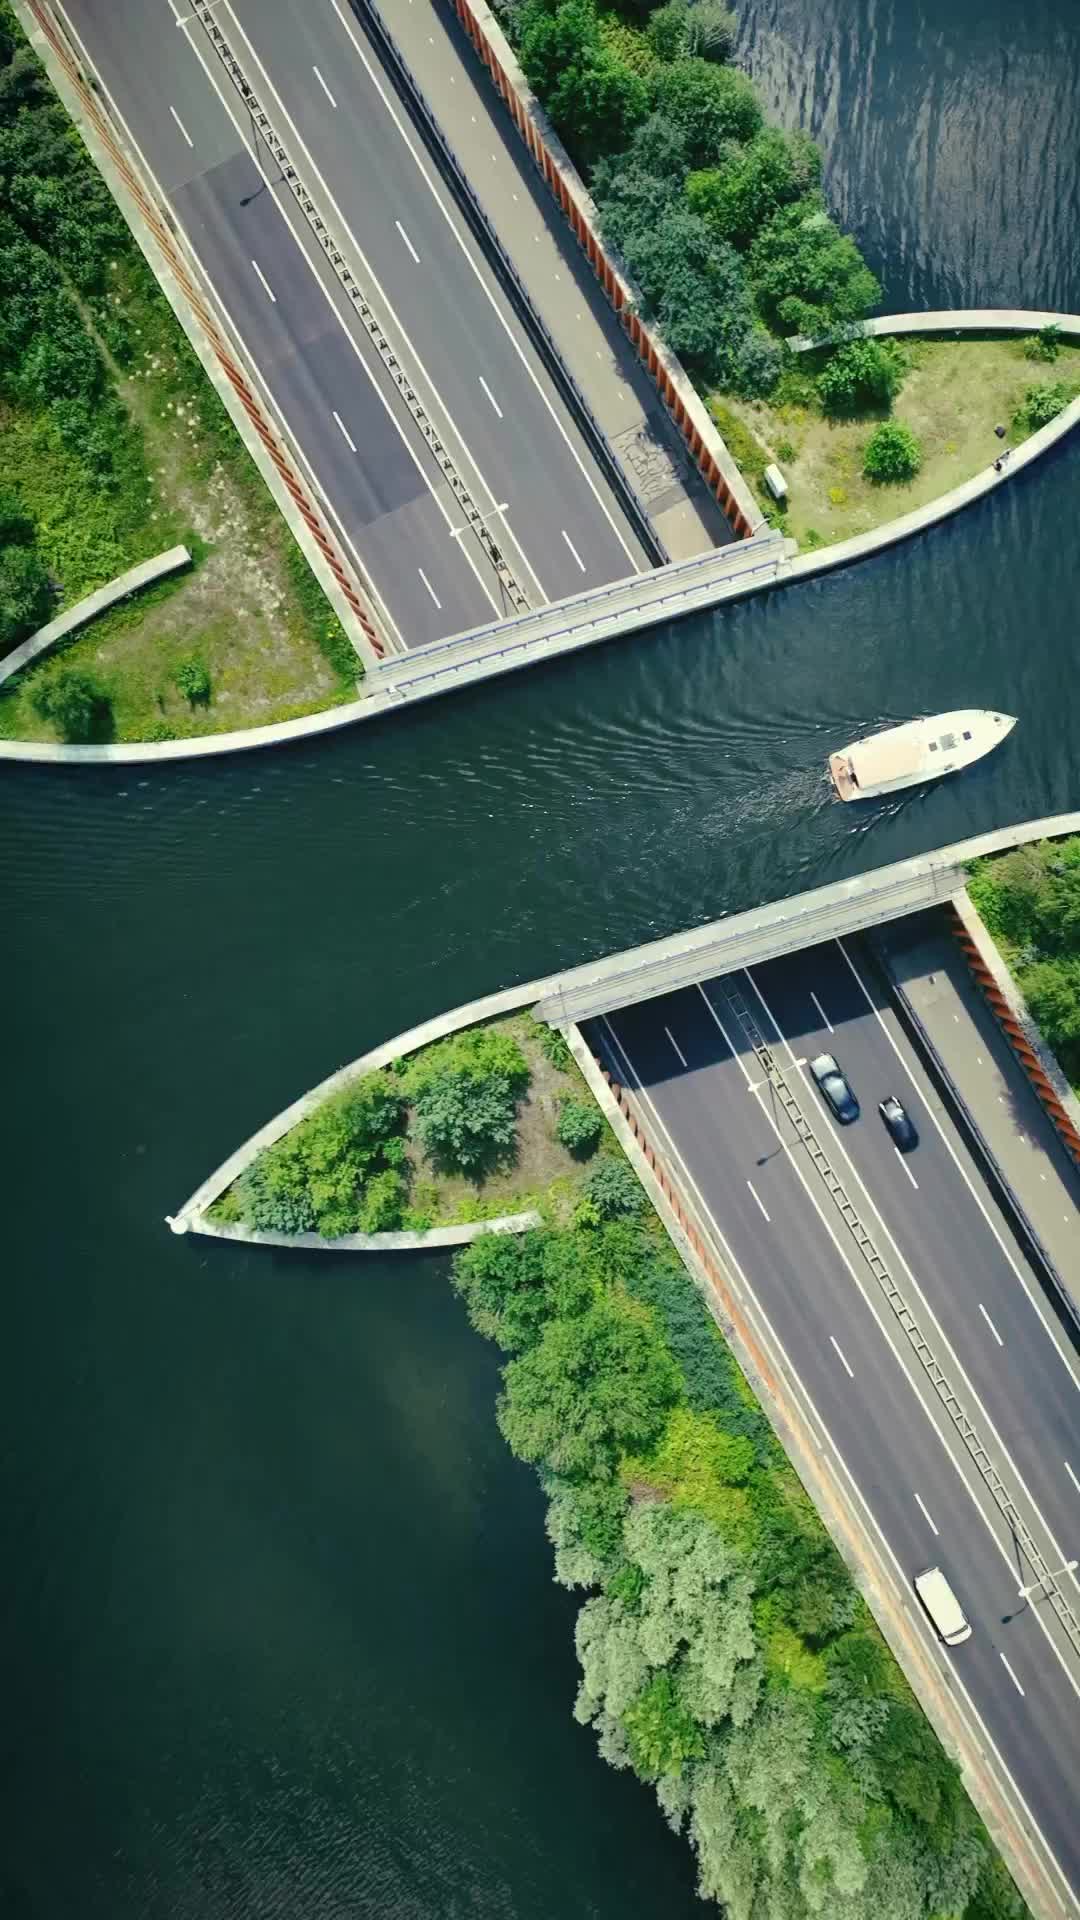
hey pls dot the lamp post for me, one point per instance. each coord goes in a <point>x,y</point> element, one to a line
<point>1036,1585</point>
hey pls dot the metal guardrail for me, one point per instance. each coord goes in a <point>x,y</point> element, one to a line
<point>373,327</point>
<point>1015,1206</point>
<point>929,1362</point>
<point>602,448</point>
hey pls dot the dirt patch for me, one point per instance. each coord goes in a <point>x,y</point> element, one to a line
<point>954,394</point>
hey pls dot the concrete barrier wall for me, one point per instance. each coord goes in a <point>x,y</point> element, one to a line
<point>689,412</point>
<point>433,1240</point>
<point>952,320</point>
<point>138,576</point>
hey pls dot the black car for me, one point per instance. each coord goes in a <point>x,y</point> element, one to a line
<point>900,1124</point>
<point>834,1088</point>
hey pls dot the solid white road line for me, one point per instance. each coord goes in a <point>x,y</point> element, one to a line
<point>991,1325</point>
<point>347,436</point>
<point>491,396</point>
<point>1012,1677</point>
<point>822,1011</point>
<point>926,1517</point>
<point>675,1044</point>
<point>1072,1476</point>
<point>324,87</point>
<point>265,281</point>
<point>429,586</point>
<point>573,549</point>
<point>842,1356</point>
<point>638,565</point>
<point>407,241</point>
<point>905,1166</point>
<point>758,1198</point>
<point>965,1176</point>
<point>181,126</point>
<point>757,1311</point>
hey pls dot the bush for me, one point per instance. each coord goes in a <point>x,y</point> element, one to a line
<point>614,1191</point>
<point>892,454</point>
<point>864,373</point>
<point>579,1127</point>
<point>25,593</point>
<point>708,105</point>
<point>1044,345</point>
<point>340,1170</point>
<point>72,701</point>
<point>1043,403</point>
<point>553,1045</point>
<point>710,30</point>
<point>192,678</point>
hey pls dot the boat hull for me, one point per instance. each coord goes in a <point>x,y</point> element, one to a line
<point>917,752</point>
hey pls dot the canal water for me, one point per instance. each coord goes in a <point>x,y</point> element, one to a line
<point>280,1633</point>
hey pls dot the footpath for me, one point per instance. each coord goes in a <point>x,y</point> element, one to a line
<point>558,278</point>
<point>932,976</point>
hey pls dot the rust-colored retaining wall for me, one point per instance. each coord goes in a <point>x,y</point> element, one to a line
<point>618,290</point>
<point>1012,1028</point>
<point>223,354</point>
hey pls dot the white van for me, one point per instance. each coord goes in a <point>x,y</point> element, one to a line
<point>943,1606</point>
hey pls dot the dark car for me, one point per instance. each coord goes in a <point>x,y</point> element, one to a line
<point>834,1088</point>
<point>900,1124</point>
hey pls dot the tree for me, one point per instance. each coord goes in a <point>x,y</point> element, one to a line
<point>467,1124</point>
<point>749,184</point>
<point>73,702</point>
<point>192,678</point>
<point>579,1126</point>
<point>861,374</point>
<point>708,105</point>
<point>25,593</point>
<point>501,1279</point>
<point>592,1387</point>
<point>892,454</point>
<point>695,289</point>
<point>594,99</point>
<point>808,276</point>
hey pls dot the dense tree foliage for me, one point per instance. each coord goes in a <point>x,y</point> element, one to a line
<point>861,374</point>
<point>808,276</point>
<point>72,701</point>
<point>595,99</point>
<point>1030,900</point>
<point>465,1091</point>
<point>725,1656</point>
<point>339,1171</point>
<point>25,589</point>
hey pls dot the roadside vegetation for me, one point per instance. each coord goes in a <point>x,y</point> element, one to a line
<point>1030,901</point>
<point>723,226</point>
<point>494,1120</point>
<point>726,1657</point>
<point>114,446</point>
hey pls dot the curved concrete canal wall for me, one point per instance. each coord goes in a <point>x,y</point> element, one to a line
<point>142,575</point>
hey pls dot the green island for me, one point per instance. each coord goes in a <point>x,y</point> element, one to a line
<point>494,1120</point>
<point>113,446</point>
<point>726,1655</point>
<point>1030,901</point>
<point>723,226</point>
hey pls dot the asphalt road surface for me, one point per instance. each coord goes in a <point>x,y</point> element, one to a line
<point>512,440</point>
<point>977,1302</point>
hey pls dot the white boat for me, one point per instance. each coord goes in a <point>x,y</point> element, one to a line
<point>919,750</point>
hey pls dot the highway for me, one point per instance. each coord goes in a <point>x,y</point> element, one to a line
<point>513,442</point>
<point>863,1390</point>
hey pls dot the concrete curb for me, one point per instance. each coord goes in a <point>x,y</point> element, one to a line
<point>689,412</point>
<point>138,576</point>
<point>948,320</point>
<point>1005,1000</point>
<point>190,1217</point>
<point>434,1238</point>
<point>193,303</point>
<point>865,1559</point>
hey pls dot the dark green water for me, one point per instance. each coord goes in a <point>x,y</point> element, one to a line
<point>280,1633</point>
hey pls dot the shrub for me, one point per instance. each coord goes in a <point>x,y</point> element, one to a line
<point>861,374</point>
<point>25,594</point>
<point>553,1045</point>
<point>1043,403</point>
<point>892,454</point>
<point>330,1173</point>
<point>191,676</point>
<point>74,703</point>
<point>613,1190</point>
<point>1044,345</point>
<point>579,1127</point>
<point>710,30</point>
<point>708,105</point>
<point>667,30</point>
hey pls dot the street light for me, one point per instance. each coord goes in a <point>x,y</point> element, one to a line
<point>1069,1567</point>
